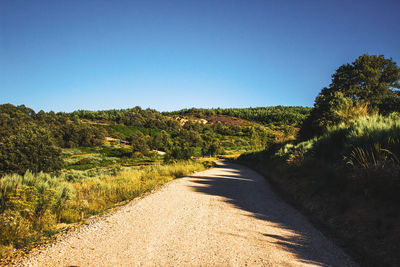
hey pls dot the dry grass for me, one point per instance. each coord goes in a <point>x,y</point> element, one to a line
<point>34,204</point>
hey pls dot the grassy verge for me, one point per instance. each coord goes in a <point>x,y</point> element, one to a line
<point>346,182</point>
<point>33,206</point>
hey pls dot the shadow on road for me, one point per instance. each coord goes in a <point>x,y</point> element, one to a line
<point>250,192</point>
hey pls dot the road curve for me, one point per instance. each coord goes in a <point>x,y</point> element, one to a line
<point>226,216</point>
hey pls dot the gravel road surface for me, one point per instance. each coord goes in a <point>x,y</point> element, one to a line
<point>226,216</point>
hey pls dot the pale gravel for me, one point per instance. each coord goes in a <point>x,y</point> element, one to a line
<point>226,216</point>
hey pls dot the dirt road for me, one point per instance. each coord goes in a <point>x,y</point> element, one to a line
<point>226,216</point>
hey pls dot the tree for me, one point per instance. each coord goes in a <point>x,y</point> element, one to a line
<point>139,142</point>
<point>260,137</point>
<point>77,134</point>
<point>163,141</point>
<point>370,80</point>
<point>255,139</point>
<point>179,151</point>
<point>191,137</point>
<point>212,147</point>
<point>31,148</point>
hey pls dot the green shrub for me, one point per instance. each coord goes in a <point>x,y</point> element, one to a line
<point>375,137</point>
<point>15,229</point>
<point>41,191</point>
<point>30,148</point>
<point>69,215</point>
<point>347,180</point>
<point>369,149</point>
<point>367,85</point>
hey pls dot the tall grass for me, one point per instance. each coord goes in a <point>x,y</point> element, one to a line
<point>41,184</point>
<point>98,193</point>
<point>32,205</point>
<point>374,135</point>
<point>367,151</point>
<point>348,180</point>
<point>365,141</point>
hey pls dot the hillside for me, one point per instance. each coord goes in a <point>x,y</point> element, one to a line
<point>278,115</point>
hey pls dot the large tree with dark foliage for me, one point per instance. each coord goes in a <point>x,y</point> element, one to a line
<point>370,80</point>
<point>212,147</point>
<point>30,140</point>
<point>30,148</point>
<point>139,142</point>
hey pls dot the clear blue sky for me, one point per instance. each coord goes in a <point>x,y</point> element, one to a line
<point>169,54</point>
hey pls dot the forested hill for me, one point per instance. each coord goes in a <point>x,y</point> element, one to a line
<point>148,118</point>
<point>278,115</point>
<point>33,140</point>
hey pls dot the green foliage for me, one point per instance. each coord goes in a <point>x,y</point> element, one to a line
<point>212,147</point>
<point>116,152</point>
<point>30,206</point>
<point>347,180</point>
<point>374,158</point>
<point>131,117</point>
<point>139,142</point>
<point>369,145</point>
<point>42,183</point>
<point>278,115</point>
<point>333,109</point>
<point>364,133</point>
<point>375,137</point>
<point>191,137</point>
<point>31,141</point>
<point>107,156</point>
<point>64,132</point>
<point>369,83</point>
<point>89,129</point>
<point>78,175</point>
<point>163,141</point>
<point>78,134</point>
<point>179,151</point>
<point>260,137</point>
<point>30,148</point>
<point>11,118</point>
<point>128,131</point>
<point>15,229</point>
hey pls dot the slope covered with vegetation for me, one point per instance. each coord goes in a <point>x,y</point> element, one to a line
<point>344,170</point>
<point>279,115</point>
<point>59,168</point>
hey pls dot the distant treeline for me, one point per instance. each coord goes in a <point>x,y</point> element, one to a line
<point>65,133</point>
<point>278,115</point>
<point>30,140</point>
<point>165,133</point>
<point>33,141</point>
<point>147,118</point>
<point>150,129</point>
